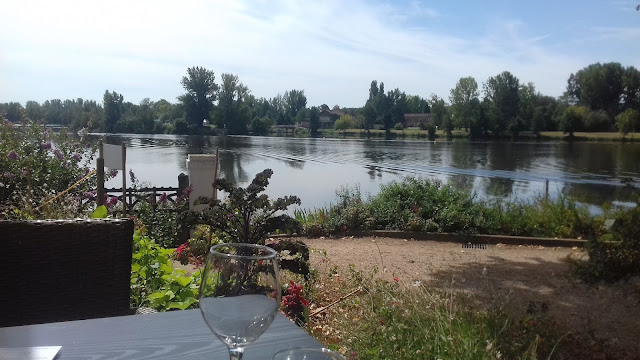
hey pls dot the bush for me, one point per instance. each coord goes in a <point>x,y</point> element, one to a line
<point>38,164</point>
<point>615,255</point>
<point>398,126</point>
<point>431,129</point>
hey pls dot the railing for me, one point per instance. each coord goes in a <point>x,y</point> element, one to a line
<point>151,195</point>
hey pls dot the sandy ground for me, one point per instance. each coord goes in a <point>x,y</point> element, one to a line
<point>514,276</point>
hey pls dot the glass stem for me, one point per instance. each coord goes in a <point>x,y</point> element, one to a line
<point>236,353</point>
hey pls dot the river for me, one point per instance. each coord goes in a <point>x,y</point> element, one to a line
<point>313,169</point>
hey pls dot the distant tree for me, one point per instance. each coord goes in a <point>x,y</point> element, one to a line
<point>501,91</point>
<point>314,120</point>
<point>13,112</point>
<point>440,114</point>
<point>232,113</point>
<point>260,126</point>
<point>572,119</point>
<point>628,121</point>
<point>528,100</point>
<point>112,102</point>
<point>344,122</point>
<point>631,86</point>
<point>34,111</point>
<point>294,101</point>
<point>417,105</point>
<point>462,99</point>
<point>543,113</point>
<point>598,86</point>
<point>201,91</point>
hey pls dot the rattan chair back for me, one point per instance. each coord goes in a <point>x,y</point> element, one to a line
<point>60,270</point>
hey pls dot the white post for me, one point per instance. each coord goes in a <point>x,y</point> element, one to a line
<point>202,172</point>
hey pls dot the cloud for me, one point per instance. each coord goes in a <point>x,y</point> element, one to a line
<point>331,49</point>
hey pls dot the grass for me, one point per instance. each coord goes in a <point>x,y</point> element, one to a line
<point>396,320</point>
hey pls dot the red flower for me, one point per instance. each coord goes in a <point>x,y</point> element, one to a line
<point>181,248</point>
<point>396,279</point>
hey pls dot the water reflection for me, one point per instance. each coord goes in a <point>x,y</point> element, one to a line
<point>314,168</point>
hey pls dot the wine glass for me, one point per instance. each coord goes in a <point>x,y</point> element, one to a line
<point>307,354</point>
<point>239,293</point>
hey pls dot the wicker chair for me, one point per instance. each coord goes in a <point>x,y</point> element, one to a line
<point>60,270</point>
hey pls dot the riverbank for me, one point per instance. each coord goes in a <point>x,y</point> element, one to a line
<point>416,133</point>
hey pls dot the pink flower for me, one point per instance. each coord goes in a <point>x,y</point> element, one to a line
<point>12,155</point>
<point>396,279</point>
<point>76,157</point>
<point>45,146</point>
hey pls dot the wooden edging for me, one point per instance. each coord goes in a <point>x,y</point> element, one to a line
<point>464,238</point>
<point>481,239</point>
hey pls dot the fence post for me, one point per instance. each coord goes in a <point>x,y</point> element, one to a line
<point>546,189</point>
<point>100,176</point>
<point>184,231</point>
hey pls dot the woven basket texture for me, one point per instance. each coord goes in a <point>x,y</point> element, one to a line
<point>60,270</point>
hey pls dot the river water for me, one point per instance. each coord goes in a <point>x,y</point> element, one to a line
<point>313,169</point>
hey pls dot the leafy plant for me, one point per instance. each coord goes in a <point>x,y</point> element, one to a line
<point>246,216</point>
<point>615,255</point>
<point>38,164</point>
<point>155,282</point>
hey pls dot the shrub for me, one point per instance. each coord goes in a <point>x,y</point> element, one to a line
<point>615,255</point>
<point>38,164</point>
<point>398,126</point>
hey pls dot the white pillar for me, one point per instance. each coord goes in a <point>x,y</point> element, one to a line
<point>201,168</point>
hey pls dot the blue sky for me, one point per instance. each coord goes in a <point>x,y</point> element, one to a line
<point>331,49</point>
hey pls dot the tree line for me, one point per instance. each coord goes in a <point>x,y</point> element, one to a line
<point>599,97</point>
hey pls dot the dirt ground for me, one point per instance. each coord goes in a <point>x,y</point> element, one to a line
<point>514,276</point>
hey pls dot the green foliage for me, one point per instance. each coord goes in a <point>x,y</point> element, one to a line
<point>344,122</point>
<point>261,126</point>
<point>99,213</point>
<point>502,94</point>
<point>154,281</point>
<point>441,114</point>
<point>201,91</point>
<point>314,120</point>
<point>615,255</point>
<point>462,99</point>
<point>424,205</point>
<point>232,112</point>
<point>38,164</point>
<point>398,126</point>
<point>246,216</point>
<point>431,129</point>
<point>628,121</point>
<point>572,119</point>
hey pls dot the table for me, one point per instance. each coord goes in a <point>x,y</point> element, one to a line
<point>168,335</point>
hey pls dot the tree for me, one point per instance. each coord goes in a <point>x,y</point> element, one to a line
<point>631,86</point>
<point>417,105</point>
<point>502,93</point>
<point>112,102</point>
<point>294,101</point>
<point>201,93</point>
<point>628,121</point>
<point>462,98</point>
<point>572,119</point>
<point>314,120</point>
<point>344,122</point>
<point>528,100</point>
<point>598,86</point>
<point>440,114</point>
<point>232,113</point>
<point>33,110</point>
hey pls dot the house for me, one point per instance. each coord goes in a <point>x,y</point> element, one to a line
<point>417,120</point>
<point>328,118</point>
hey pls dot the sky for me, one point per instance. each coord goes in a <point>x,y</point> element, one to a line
<point>330,49</point>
